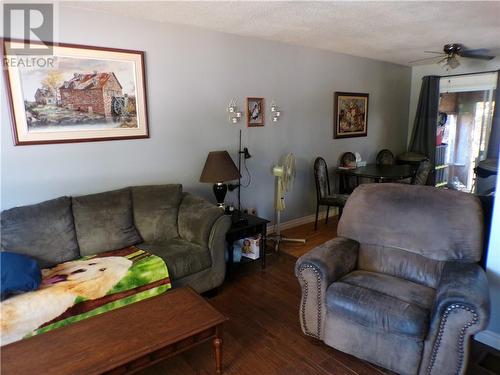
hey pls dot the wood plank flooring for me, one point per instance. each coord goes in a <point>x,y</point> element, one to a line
<point>313,238</point>
<point>263,335</point>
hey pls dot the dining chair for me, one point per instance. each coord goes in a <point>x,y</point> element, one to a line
<point>385,157</point>
<point>349,183</point>
<point>323,194</point>
<point>422,173</point>
<point>347,159</point>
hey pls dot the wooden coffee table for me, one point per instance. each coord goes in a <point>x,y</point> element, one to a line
<point>121,341</point>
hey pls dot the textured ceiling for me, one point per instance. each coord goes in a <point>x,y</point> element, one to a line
<point>397,32</point>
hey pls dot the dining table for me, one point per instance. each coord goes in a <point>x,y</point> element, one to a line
<point>377,172</point>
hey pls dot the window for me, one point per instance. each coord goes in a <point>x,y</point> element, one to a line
<point>468,103</point>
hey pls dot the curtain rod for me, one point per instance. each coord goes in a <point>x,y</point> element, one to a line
<point>467,74</point>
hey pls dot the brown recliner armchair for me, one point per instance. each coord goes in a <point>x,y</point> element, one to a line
<point>400,286</point>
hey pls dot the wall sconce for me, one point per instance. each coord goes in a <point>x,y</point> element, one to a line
<point>275,112</point>
<point>234,115</point>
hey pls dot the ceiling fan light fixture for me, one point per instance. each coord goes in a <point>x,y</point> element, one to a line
<point>453,62</point>
<point>451,52</point>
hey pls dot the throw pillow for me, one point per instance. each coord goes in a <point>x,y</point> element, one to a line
<point>19,273</point>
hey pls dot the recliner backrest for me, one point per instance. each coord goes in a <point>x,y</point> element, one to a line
<point>409,230</point>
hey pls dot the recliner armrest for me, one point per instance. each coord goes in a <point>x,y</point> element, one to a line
<point>464,283</point>
<point>334,258</point>
<point>461,309</point>
<point>315,271</point>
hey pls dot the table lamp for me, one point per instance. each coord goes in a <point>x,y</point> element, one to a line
<point>219,168</point>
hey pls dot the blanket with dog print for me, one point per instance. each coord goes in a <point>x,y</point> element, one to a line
<point>76,290</point>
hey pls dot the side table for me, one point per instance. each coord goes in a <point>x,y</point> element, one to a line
<point>251,226</point>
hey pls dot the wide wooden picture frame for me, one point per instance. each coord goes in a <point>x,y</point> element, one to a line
<point>350,117</point>
<point>255,112</point>
<point>85,94</point>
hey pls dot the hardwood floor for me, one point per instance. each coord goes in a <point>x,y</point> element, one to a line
<point>313,238</point>
<point>263,335</point>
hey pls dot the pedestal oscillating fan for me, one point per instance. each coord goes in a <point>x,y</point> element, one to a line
<point>285,175</point>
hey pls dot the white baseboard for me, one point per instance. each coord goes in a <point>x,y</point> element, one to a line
<point>271,228</point>
<point>489,338</point>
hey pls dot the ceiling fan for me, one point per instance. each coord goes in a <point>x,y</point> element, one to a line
<point>451,52</point>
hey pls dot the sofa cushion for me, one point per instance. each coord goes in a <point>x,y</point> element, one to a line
<point>104,221</point>
<point>155,211</point>
<point>382,303</point>
<point>44,231</point>
<point>183,258</point>
<point>196,219</point>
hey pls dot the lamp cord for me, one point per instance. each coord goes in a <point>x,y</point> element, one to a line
<point>248,174</point>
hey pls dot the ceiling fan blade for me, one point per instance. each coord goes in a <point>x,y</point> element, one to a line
<point>475,56</point>
<point>446,58</point>
<point>424,59</point>
<point>479,51</point>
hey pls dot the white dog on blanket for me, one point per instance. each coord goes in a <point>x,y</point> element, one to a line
<point>91,279</point>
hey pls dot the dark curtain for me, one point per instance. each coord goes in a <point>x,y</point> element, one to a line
<point>495,126</point>
<point>423,138</point>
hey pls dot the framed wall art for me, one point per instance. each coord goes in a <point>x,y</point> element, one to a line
<point>82,94</point>
<point>255,112</point>
<point>350,115</point>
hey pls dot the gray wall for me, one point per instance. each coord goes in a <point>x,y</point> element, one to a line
<point>191,76</point>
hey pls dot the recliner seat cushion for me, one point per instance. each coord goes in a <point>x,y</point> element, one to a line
<point>382,303</point>
<point>183,258</point>
<point>402,289</point>
<point>155,211</point>
<point>44,231</point>
<point>104,222</point>
<point>401,264</point>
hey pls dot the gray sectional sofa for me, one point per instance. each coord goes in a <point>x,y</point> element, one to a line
<point>184,230</point>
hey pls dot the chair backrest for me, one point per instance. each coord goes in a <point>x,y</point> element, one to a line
<point>347,159</point>
<point>422,174</point>
<point>321,178</point>
<point>409,231</point>
<point>385,157</point>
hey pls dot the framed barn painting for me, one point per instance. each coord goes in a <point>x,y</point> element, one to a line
<point>79,94</point>
<point>350,115</point>
<point>255,112</point>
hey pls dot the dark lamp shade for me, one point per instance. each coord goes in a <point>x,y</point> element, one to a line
<point>219,167</point>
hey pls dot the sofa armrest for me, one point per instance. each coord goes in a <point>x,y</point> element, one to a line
<point>196,218</point>
<point>315,271</point>
<point>461,309</point>
<point>217,247</point>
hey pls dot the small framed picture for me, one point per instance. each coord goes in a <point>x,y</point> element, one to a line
<point>255,112</point>
<point>350,115</point>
